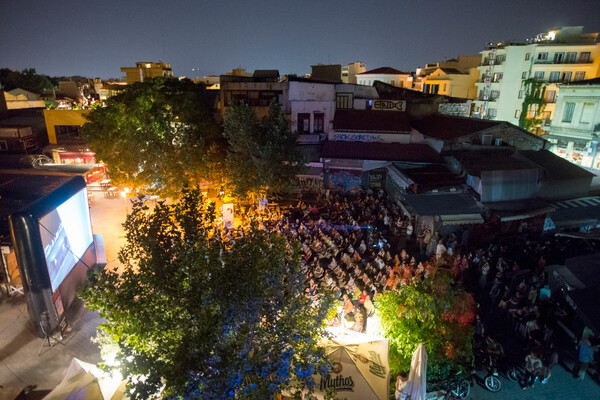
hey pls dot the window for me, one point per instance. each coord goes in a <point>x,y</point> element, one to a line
<point>524,75</point>
<point>554,76</point>
<point>571,58</point>
<point>542,56</point>
<point>566,77</point>
<point>497,77</point>
<point>303,122</point>
<point>580,75</point>
<point>520,94</point>
<point>517,113</point>
<point>445,86</point>
<point>344,101</point>
<point>319,122</point>
<point>494,94</point>
<point>584,57</point>
<point>492,112</point>
<point>66,131</point>
<point>527,56</point>
<point>501,58</point>
<point>539,75</point>
<point>393,82</point>
<point>559,58</point>
<point>587,113</point>
<point>266,97</point>
<point>550,96</point>
<point>568,114</point>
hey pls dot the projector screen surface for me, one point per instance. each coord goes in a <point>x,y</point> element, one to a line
<point>66,234</point>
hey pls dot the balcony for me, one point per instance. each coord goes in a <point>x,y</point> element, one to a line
<point>489,99</point>
<point>486,62</point>
<point>552,62</point>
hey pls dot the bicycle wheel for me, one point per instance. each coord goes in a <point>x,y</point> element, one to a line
<point>462,389</point>
<point>493,384</point>
<point>513,374</point>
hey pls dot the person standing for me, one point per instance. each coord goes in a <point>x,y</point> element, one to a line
<point>402,387</point>
<point>586,356</point>
<point>551,359</point>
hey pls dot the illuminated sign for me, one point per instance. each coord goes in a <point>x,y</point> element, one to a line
<point>389,105</point>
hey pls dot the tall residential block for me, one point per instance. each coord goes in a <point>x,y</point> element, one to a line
<point>507,69</point>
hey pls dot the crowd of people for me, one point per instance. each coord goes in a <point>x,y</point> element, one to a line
<point>362,244</point>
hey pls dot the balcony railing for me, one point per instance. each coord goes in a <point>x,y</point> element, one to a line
<point>489,99</point>
<point>589,61</point>
<point>486,61</point>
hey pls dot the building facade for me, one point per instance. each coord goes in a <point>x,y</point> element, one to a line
<point>575,131</point>
<point>387,75</point>
<point>560,56</point>
<point>145,70</point>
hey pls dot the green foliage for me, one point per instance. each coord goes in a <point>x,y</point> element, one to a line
<point>156,136</point>
<point>433,312</point>
<point>535,91</point>
<point>206,318</point>
<point>27,79</point>
<point>264,157</point>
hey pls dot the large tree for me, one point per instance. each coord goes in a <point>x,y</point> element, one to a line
<point>263,158</point>
<point>433,311</point>
<point>27,79</point>
<point>156,136</point>
<point>206,318</point>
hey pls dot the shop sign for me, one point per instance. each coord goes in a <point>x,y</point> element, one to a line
<point>389,105</point>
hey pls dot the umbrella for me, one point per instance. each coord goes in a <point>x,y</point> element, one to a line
<point>417,378</point>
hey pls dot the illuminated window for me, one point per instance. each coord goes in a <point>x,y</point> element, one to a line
<point>303,122</point>
<point>580,75</point>
<point>568,114</point>
<point>571,58</point>
<point>319,123</point>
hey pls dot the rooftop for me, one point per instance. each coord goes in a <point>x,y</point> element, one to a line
<point>585,82</point>
<point>371,121</point>
<point>380,151</point>
<point>558,168</point>
<point>384,71</point>
<point>446,127</point>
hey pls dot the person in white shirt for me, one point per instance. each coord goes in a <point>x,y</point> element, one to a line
<point>402,387</point>
<point>440,250</point>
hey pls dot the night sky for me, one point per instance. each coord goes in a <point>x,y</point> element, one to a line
<point>95,39</point>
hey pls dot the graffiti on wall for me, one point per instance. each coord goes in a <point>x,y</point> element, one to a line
<point>349,137</point>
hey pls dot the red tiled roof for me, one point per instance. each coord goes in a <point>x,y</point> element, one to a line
<point>375,121</point>
<point>384,71</point>
<point>380,151</point>
<point>445,127</point>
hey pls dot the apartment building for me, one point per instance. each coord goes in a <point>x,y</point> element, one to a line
<point>145,70</point>
<point>559,56</point>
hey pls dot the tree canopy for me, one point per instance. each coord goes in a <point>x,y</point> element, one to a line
<point>156,136</point>
<point>434,312</point>
<point>27,79</point>
<point>263,156</point>
<point>205,317</point>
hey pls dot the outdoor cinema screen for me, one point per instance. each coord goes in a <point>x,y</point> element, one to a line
<point>66,234</point>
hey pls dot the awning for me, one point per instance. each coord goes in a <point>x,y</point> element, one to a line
<point>461,219</point>
<point>528,214</point>
<point>577,212</point>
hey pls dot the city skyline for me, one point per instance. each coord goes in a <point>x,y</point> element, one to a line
<point>63,38</point>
